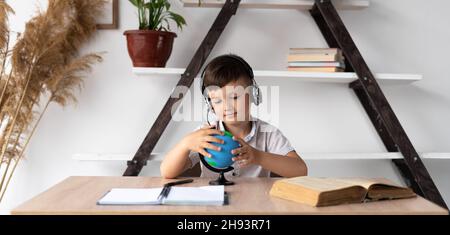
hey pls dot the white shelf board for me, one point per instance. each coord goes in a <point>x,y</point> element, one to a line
<point>278,4</point>
<point>157,71</point>
<point>338,77</point>
<point>305,156</point>
<point>108,156</point>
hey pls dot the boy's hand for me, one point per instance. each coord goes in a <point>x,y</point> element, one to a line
<point>246,154</point>
<point>198,140</point>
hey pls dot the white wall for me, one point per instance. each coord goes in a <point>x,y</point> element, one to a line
<point>116,108</point>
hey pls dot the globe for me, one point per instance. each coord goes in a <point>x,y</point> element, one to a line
<point>221,161</point>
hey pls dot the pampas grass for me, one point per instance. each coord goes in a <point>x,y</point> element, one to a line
<point>44,63</point>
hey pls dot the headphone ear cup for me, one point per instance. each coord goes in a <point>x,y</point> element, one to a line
<point>256,96</point>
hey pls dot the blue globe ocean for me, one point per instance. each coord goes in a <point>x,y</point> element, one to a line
<point>222,159</point>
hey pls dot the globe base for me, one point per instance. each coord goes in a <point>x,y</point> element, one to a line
<point>221,180</point>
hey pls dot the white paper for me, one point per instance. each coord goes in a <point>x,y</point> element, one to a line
<point>131,196</point>
<point>206,195</point>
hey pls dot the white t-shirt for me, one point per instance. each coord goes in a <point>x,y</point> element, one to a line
<point>263,137</point>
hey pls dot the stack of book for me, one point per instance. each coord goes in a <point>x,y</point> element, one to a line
<point>316,60</point>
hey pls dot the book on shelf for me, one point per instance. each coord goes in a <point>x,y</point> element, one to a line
<point>295,50</point>
<point>315,57</point>
<point>316,191</point>
<point>316,60</point>
<point>316,64</point>
<point>316,69</point>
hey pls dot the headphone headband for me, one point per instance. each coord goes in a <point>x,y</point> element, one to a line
<point>248,68</point>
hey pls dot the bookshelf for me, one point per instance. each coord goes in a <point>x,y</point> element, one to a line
<point>277,4</point>
<point>361,80</point>
<point>306,156</point>
<point>273,75</point>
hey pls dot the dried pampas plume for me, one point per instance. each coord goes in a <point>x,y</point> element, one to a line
<point>45,62</point>
<point>5,10</point>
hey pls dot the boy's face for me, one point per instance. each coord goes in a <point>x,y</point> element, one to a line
<point>231,103</point>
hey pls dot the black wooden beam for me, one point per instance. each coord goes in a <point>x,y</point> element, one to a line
<point>142,155</point>
<point>387,139</point>
<point>407,176</point>
<point>388,142</point>
<point>330,23</point>
<point>376,120</point>
<point>327,34</point>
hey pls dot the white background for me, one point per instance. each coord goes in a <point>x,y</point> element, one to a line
<point>116,108</point>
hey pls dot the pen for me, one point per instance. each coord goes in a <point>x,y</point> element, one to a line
<point>179,182</point>
<point>167,187</point>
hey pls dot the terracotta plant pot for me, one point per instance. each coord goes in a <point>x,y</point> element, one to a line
<point>149,48</point>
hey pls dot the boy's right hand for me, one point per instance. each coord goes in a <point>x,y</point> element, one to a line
<point>198,140</point>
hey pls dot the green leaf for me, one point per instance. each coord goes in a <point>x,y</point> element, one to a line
<point>136,3</point>
<point>167,6</point>
<point>148,5</point>
<point>156,14</point>
<point>179,20</point>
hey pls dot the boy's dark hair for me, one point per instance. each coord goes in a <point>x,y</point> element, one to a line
<point>225,69</point>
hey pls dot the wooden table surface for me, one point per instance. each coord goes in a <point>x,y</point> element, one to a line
<point>249,196</point>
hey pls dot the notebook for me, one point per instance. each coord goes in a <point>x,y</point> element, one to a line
<point>205,195</point>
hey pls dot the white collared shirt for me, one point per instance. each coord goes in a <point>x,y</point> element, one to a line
<point>263,137</point>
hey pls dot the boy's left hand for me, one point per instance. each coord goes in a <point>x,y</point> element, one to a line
<point>246,154</point>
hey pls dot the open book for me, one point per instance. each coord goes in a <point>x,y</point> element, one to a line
<point>333,191</point>
<point>207,195</point>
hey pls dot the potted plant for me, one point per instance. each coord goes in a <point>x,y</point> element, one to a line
<point>151,45</point>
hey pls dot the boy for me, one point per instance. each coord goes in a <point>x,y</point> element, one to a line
<point>226,83</point>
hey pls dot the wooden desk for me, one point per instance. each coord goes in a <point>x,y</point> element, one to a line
<point>78,195</point>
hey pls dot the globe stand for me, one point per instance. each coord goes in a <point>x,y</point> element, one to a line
<point>221,180</point>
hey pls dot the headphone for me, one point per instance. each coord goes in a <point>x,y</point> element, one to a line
<point>256,92</point>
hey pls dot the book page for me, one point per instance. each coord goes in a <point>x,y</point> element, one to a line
<point>367,183</point>
<point>320,184</point>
